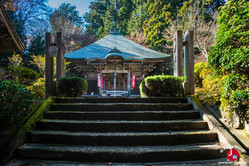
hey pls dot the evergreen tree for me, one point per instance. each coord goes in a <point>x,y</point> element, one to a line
<point>95,17</point>
<point>125,8</point>
<point>108,20</point>
<point>160,18</point>
<point>161,15</point>
<point>37,45</point>
<point>137,18</point>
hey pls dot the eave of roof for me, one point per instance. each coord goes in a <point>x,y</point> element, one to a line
<point>12,43</point>
<point>129,50</point>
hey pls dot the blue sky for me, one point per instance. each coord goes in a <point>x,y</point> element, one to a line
<point>82,5</point>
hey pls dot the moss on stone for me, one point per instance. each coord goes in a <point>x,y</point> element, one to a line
<point>37,115</point>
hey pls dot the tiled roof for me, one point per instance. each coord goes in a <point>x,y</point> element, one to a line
<point>104,47</point>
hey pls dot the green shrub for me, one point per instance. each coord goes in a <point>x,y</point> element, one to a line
<point>72,86</point>
<point>38,88</point>
<point>230,54</point>
<point>2,73</point>
<point>230,91</point>
<point>211,90</point>
<point>237,104</point>
<point>231,51</point>
<point>162,86</point>
<point>240,102</point>
<point>15,102</point>
<point>210,81</point>
<point>26,75</point>
<point>198,70</point>
<point>240,98</point>
<point>23,75</point>
<point>235,95</point>
<point>232,82</point>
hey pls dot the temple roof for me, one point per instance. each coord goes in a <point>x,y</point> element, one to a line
<point>115,44</point>
<point>9,40</point>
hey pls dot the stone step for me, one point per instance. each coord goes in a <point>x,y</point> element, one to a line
<point>121,126</point>
<point>122,138</point>
<point>123,100</point>
<point>120,106</point>
<point>122,115</point>
<point>120,154</point>
<point>212,162</point>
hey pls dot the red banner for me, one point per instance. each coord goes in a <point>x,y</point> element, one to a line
<point>133,81</point>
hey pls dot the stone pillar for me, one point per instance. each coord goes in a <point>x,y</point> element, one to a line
<point>49,66</point>
<point>186,84</point>
<point>63,57</point>
<point>189,84</point>
<point>60,57</point>
<point>191,62</point>
<point>178,54</point>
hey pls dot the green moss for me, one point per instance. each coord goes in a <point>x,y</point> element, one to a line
<point>15,129</point>
<point>38,114</point>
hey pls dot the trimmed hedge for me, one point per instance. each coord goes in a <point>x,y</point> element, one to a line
<point>72,86</point>
<point>162,86</point>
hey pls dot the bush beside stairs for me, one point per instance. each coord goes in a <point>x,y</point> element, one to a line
<point>122,130</point>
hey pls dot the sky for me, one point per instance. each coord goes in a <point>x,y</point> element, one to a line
<point>82,5</point>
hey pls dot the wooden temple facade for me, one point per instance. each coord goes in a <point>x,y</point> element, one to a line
<point>111,64</point>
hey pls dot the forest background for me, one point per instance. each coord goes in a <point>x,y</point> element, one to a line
<point>148,22</point>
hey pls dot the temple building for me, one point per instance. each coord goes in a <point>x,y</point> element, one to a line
<point>115,65</point>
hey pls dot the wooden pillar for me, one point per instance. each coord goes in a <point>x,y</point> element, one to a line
<point>60,57</point>
<point>178,54</point>
<point>49,67</point>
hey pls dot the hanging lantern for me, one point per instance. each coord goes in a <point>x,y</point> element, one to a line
<point>53,50</point>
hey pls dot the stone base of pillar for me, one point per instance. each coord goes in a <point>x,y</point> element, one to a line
<point>187,88</point>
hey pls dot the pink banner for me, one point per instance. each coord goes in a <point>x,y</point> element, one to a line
<point>102,82</point>
<point>99,80</point>
<point>133,81</point>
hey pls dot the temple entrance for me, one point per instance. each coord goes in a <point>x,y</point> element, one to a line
<point>121,84</point>
<point>121,81</point>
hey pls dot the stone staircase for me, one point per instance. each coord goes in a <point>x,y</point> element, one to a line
<point>122,130</point>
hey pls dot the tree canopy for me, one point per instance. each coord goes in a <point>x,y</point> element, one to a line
<point>231,51</point>
<point>66,19</point>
